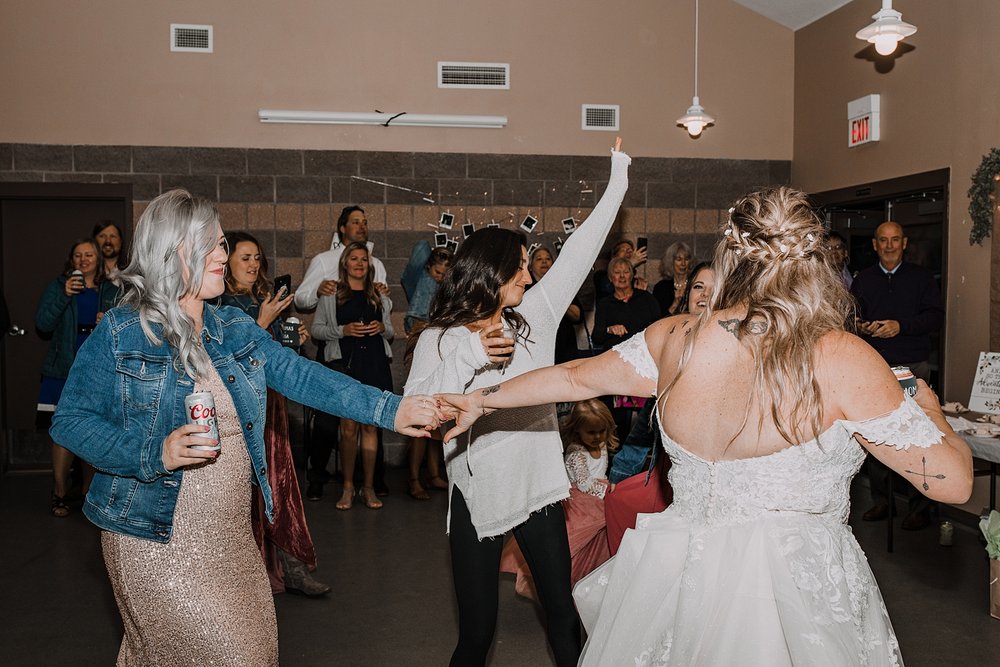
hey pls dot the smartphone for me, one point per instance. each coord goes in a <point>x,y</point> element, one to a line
<point>283,286</point>
<point>641,243</point>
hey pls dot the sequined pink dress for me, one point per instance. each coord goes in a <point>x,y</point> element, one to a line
<point>203,598</point>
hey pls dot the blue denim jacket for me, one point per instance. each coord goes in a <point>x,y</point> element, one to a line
<point>124,396</point>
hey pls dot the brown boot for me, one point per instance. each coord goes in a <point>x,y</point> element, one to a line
<point>298,579</point>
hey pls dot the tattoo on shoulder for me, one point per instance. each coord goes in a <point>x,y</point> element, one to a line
<point>733,326</point>
<point>491,390</point>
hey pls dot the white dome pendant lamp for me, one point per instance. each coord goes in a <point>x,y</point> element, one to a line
<point>696,118</point>
<point>887,30</point>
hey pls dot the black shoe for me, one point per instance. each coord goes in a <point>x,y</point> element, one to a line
<point>915,521</point>
<point>381,488</point>
<point>314,491</point>
<point>877,512</point>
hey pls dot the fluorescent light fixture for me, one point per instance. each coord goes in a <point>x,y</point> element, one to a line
<point>376,118</point>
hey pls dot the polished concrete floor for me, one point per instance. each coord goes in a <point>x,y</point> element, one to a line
<point>392,602</point>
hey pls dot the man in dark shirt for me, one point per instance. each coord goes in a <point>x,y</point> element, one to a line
<point>899,307</point>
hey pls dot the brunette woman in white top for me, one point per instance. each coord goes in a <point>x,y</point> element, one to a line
<point>509,473</point>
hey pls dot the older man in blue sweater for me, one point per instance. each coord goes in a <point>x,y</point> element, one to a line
<point>899,307</point>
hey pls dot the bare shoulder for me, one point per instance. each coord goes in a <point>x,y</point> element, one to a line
<point>854,378</point>
<point>668,333</point>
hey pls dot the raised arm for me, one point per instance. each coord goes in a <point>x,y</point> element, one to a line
<point>911,438</point>
<point>571,268</point>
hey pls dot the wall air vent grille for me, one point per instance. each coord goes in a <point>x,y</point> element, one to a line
<point>600,117</point>
<point>191,38</point>
<point>494,76</point>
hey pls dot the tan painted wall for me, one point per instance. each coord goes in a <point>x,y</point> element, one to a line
<point>939,109</point>
<point>101,72</point>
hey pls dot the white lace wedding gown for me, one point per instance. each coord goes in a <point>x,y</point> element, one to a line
<point>753,563</point>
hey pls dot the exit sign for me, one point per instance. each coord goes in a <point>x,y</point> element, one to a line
<point>862,120</point>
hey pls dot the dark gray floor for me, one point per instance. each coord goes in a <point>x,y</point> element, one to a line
<point>393,603</point>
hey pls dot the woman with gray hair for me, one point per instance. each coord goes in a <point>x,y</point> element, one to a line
<point>172,494</point>
<point>674,268</point>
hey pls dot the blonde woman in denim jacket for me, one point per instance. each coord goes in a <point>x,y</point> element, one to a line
<point>188,579</point>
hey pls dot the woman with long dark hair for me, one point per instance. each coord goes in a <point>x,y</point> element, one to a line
<point>509,475</point>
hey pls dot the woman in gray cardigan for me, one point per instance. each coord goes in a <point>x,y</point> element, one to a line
<point>355,322</point>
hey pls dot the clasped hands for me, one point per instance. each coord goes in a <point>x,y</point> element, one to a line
<point>880,328</point>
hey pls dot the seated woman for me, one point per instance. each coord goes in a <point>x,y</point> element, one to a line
<point>588,432</point>
<point>285,542</point>
<point>356,323</point>
<point>767,408</point>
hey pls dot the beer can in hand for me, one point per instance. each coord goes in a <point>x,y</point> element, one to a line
<point>907,380</point>
<point>290,332</point>
<point>200,408</point>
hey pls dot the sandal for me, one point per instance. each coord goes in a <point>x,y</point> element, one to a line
<point>347,499</point>
<point>417,492</point>
<point>370,499</point>
<point>437,483</point>
<point>59,507</point>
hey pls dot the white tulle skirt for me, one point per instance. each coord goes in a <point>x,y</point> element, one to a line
<point>788,589</point>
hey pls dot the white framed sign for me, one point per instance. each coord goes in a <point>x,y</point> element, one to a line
<point>986,387</point>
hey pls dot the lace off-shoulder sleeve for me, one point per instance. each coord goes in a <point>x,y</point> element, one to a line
<point>634,352</point>
<point>904,427</point>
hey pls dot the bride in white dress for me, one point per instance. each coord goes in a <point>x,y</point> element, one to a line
<point>766,407</point>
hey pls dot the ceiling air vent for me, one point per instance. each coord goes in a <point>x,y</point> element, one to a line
<point>600,117</point>
<point>191,38</point>
<point>474,75</point>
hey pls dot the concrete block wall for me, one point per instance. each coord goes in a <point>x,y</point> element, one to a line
<point>290,199</point>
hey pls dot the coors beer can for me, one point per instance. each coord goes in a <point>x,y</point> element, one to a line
<point>200,408</point>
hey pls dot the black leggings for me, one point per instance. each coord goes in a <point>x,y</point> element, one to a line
<point>475,566</point>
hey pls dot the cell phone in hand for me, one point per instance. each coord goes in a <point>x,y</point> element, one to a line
<point>641,243</point>
<point>283,286</point>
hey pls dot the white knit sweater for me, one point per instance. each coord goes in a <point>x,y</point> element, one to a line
<point>515,463</point>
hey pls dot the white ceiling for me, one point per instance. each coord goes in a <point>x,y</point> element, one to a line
<point>796,14</point>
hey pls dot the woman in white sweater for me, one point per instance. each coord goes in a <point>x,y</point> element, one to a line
<point>509,473</point>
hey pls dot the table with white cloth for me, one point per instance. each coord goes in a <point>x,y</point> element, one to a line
<point>984,447</point>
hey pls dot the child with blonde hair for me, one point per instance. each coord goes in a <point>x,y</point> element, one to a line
<point>588,432</point>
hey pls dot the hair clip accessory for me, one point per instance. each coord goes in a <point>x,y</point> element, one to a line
<point>745,234</point>
<point>728,232</point>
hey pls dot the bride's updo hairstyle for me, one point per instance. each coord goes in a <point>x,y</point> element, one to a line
<point>773,260</point>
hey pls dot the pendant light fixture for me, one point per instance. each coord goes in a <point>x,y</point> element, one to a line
<point>695,119</point>
<point>887,29</point>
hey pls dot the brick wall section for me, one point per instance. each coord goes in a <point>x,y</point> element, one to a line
<point>290,199</point>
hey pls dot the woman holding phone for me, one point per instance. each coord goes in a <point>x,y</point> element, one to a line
<point>286,544</point>
<point>509,475</point>
<point>173,504</point>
